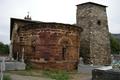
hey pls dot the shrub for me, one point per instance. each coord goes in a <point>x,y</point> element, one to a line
<point>4,48</point>
<point>7,77</point>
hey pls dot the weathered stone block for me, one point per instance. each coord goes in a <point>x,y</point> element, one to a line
<point>105,75</point>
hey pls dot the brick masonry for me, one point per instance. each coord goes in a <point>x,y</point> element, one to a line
<point>47,45</point>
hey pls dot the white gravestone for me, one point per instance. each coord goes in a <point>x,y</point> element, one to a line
<point>2,67</point>
<point>22,55</point>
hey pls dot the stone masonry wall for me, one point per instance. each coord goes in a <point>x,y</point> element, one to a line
<point>95,44</point>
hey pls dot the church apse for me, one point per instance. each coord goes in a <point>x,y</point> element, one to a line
<point>50,45</point>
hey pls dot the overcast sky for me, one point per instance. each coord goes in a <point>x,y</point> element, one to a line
<point>63,11</point>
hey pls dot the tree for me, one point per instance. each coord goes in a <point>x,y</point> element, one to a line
<point>4,48</point>
<point>115,45</point>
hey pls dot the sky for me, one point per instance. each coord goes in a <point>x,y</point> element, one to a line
<point>62,11</point>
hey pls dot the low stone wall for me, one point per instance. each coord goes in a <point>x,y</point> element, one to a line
<point>15,66</point>
<point>105,75</point>
<point>86,68</point>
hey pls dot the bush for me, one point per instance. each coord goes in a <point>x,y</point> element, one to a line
<point>28,67</point>
<point>7,77</point>
<point>57,75</point>
<point>28,64</point>
<point>4,48</point>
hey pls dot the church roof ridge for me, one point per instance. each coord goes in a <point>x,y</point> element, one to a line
<point>35,21</point>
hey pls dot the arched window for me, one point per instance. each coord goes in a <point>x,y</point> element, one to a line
<point>33,48</point>
<point>33,42</point>
<point>65,44</point>
<point>64,49</point>
<point>46,56</point>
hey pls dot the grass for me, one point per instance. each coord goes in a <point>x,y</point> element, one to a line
<point>56,74</point>
<point>35,73</point>
<point>7,77</point>
<point>53,74</point>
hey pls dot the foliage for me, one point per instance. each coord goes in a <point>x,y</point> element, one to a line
<point>117,36</point>
<point>4,48</point>
<point>28,67</point>
<point>28,64</point>
<point>115,45</point>
<point>56,74</point>
<point>7,77</point>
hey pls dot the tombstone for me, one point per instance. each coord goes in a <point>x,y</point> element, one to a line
<point>2,67</point>
<point>98,74</point>
<point>81,60</point>
<point>22,55</point>
<point>10,54</point>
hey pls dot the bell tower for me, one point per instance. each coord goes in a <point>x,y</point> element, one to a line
<point>95,43</point>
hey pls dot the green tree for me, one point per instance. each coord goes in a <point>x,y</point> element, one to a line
<point>4,48</point>
<point>115,45</point>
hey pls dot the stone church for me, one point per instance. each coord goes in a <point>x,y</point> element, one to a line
<point>48,45</point>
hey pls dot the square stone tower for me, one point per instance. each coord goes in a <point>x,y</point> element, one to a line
<point>95,43</point>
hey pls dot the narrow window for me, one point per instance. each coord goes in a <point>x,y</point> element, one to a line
<point>46,56</point>
<point>33,48</point>
<point>21,38</point>
<point>99,22</point>
<point>63,52</point>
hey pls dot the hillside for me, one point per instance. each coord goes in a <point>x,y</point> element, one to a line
<point>117,36</point>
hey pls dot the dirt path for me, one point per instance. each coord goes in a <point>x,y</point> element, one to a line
<point>20,77</point>
<point>81,77</point>
<point>74,77</point>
